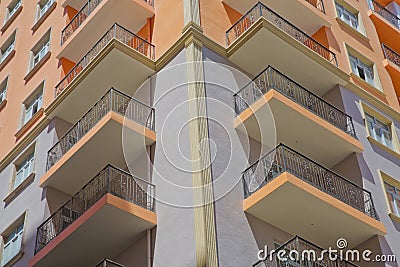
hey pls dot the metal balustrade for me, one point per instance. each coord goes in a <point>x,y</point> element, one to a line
<point>385,13</point>
<point>271,78</point>
<point>304,254</point>
<point>391,55</point>
<point>260,10</point>
<point>284,159</point>
<point>82,15</point>
<point>110,180</point>
<point>113,100</point>
<point>108,263</point>
<point>116,32</point>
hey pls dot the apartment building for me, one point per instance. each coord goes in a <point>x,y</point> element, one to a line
<point>199,132</point>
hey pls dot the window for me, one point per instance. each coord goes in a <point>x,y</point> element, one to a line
<point>33,104</point>
<point>12,243</point>
<point>362,70</point>
<point>12,8</point>
<point>43,7</point>
<point>347,16</point>
<point>24,169</point>
<point>3,89</point>
<point>379,130</point>
<point>393,195</point>
<point>7,47</point>
<point>40,50</point>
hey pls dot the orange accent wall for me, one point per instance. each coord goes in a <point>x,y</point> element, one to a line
<point>70,12</point>
<point>66,66</point>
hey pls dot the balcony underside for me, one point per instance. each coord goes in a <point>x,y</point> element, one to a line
<point>296,127</point>
<point>105,230</point>
<point>387,33</point>
<point>103,144</point>
<point>264,44</point>
<point>117,65</point>
<point>301,209</point>
<point>131,14</point>
<point>394,72</point>
<point>298,12</point>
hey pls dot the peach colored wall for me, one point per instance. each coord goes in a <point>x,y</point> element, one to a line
<point>165,29</point>
<point>17,68</point>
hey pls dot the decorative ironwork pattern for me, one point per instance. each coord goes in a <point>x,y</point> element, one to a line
<point>260,10</point>
<point>284,159</point>
<point>116,32</point>
<point>391,55</point>
<point>271,78</point>
<point>385,13</point>
<point>113,100</point>
<point>108,263</point>
<point>110,180</point>
<point>81,16</point>
<point>303,247</point>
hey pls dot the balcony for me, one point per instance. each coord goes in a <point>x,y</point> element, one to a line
<point>97,16</point>
<point>302,246</point>
<point>318,124</point>
<point>105,217</point>
<point>96,71</point>
<point>296,194</point>
<point>99,132</point>
<point>309,62</point>
<point>108,263</point>
<point>392,65</point>
<point>386,23</point>
<point>307,14</point>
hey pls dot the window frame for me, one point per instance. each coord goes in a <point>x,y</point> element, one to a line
<point>342,11</point>
<point>358,65</point>
<point>40,50</point>
<point>27,163</point>
<point>11,11</point>
<point>13,227</point>
<point>3,89</point>
<point>378,132</point>
<point>33,103</point>
<point>43,8</point>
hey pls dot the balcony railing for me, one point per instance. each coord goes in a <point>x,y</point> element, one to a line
<point>271,78</point>
<point>81,16</point>
<point>391,55</point>
<point>116,32</point>
<point>110,180</point>
<point>109,263</point>
<point>113,100</point>
<point>385,13</point>
<point>260,10</point>
<point>284,159</point>
<point>318,4</point>
<point>304,254</point>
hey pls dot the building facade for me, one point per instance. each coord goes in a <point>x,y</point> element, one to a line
<point>199,132</point>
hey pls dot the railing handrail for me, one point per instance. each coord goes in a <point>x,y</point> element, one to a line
<point>115,25</point>
<point>385,47</point>
<point>382,7</point>
<point>75,17</point>
<point>107,168</point>
<point>268,70</point>
<point>311,244</point>
<point>288,22</point>
<point>112,89</point>
<point>308,159</point>
<point>299,85</point>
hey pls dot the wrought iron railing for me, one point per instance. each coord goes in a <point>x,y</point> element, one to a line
<point>318,4</point>
<point>108,263</point>
<point>391,55</point>
<point>303,254</point>
<point>385,13</point>
<point>81,16</point>
<point>284,159</point>
<point>110,180</point>
<point>113,100</point>
<point>260,10</point>
<point>116,32</point>
<point>271,78</point>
